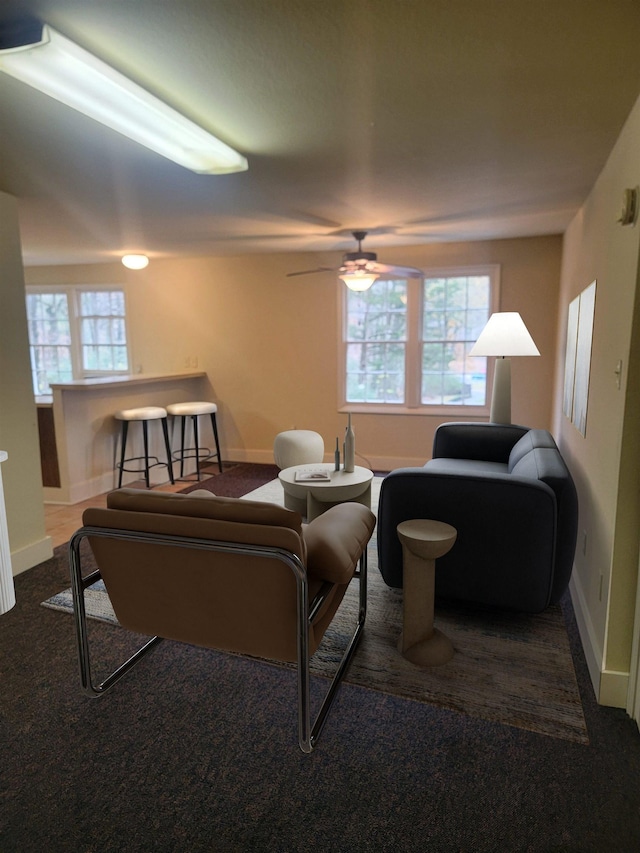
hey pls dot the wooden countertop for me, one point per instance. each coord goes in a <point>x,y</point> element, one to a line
<point>122,381</point>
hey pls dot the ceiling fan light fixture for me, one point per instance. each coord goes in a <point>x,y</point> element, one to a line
<point>359,280</point>
<point>46,60</point>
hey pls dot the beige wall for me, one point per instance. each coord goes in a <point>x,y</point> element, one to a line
<point>18,425</point>
<point>606,461</point>
<point>269,343</point>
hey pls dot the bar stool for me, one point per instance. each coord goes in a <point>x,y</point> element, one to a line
<point>200,454</point>
<point>143,415</point>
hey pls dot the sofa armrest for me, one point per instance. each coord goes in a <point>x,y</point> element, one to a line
<point>486,441</point>
<point>505,551</point>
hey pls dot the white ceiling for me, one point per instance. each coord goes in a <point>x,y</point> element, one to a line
<point>419,120</point>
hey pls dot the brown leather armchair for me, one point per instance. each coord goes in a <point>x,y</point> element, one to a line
<point>224,573</point>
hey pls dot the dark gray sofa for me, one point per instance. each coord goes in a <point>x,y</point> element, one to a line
<point>509,494</point>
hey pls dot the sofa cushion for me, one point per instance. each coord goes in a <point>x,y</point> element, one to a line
<point>472,467</point>
<point>544,464</point>
<point>534,438</point>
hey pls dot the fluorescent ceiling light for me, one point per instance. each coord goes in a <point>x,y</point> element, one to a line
<point>64,71</point>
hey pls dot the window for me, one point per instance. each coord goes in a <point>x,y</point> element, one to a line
<point>75,332</point>
<point>406,342</point>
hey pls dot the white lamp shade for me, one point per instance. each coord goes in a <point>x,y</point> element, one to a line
<point>504,335</point>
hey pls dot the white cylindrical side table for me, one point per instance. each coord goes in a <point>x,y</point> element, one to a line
<point>423,541</point>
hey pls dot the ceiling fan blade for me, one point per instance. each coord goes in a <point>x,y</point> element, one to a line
<point>394,270</point>
<point>382,270</point>
<point>309,272</point>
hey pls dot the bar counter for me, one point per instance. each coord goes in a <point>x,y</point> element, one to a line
<point>86,433</point>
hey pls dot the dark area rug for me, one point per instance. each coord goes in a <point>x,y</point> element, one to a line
<point>236,479</point>
<point>509,668</point>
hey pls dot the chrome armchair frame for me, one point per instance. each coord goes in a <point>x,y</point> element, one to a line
<point>308,732</point>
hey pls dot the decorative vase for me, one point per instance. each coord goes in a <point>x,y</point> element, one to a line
<point>349,448</point>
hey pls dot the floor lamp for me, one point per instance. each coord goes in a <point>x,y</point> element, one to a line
<point>504,335</point>
<point>7,590</point>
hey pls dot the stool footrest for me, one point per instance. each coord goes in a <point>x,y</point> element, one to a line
<point>202,453</point>
<point>140,459</point>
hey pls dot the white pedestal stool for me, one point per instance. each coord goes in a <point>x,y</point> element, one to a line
<point>297,447</point>
<point>201,454</point>
<point>143,415</point>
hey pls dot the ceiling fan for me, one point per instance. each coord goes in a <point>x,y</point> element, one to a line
<point>360,269</point>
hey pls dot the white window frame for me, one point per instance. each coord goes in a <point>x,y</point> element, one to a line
<point>73,294</point>
<point>413,404</point>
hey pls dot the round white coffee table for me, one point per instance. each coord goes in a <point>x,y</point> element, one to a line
<point>313,498</point>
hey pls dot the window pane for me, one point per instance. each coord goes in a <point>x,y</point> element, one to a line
<point>434,293</point>
<point>49,340</point>
<point>455,310</point>
<point>103,331</point>
<point>375,332</point>
<point>101,325</point>
<point>380,336</point>
<point>451,377</point>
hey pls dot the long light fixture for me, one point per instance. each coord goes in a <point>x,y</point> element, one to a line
<point>359,280</point>
<point>504,335</point>
<point>61,69</point>
<point>7,589</point>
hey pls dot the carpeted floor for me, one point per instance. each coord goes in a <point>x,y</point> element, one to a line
<point>196,752</point>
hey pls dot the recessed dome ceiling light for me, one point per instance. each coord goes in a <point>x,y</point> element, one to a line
<point>135,262</point>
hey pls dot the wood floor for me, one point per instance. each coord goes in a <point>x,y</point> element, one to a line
<point>62,521</point>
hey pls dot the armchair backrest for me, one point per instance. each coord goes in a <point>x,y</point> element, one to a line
<point>227,600</point>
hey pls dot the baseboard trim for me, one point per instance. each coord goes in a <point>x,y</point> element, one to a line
<point>614,689</point>
<point>31,555</point>
<point>105,483</point>
<point>77,492</point>
<point>376,463</point>
<point>610,687</point>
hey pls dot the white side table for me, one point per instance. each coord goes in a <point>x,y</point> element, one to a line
<point>423,541</point>
<point>312,499</point>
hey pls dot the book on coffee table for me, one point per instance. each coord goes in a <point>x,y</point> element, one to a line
<point>312,475</point>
